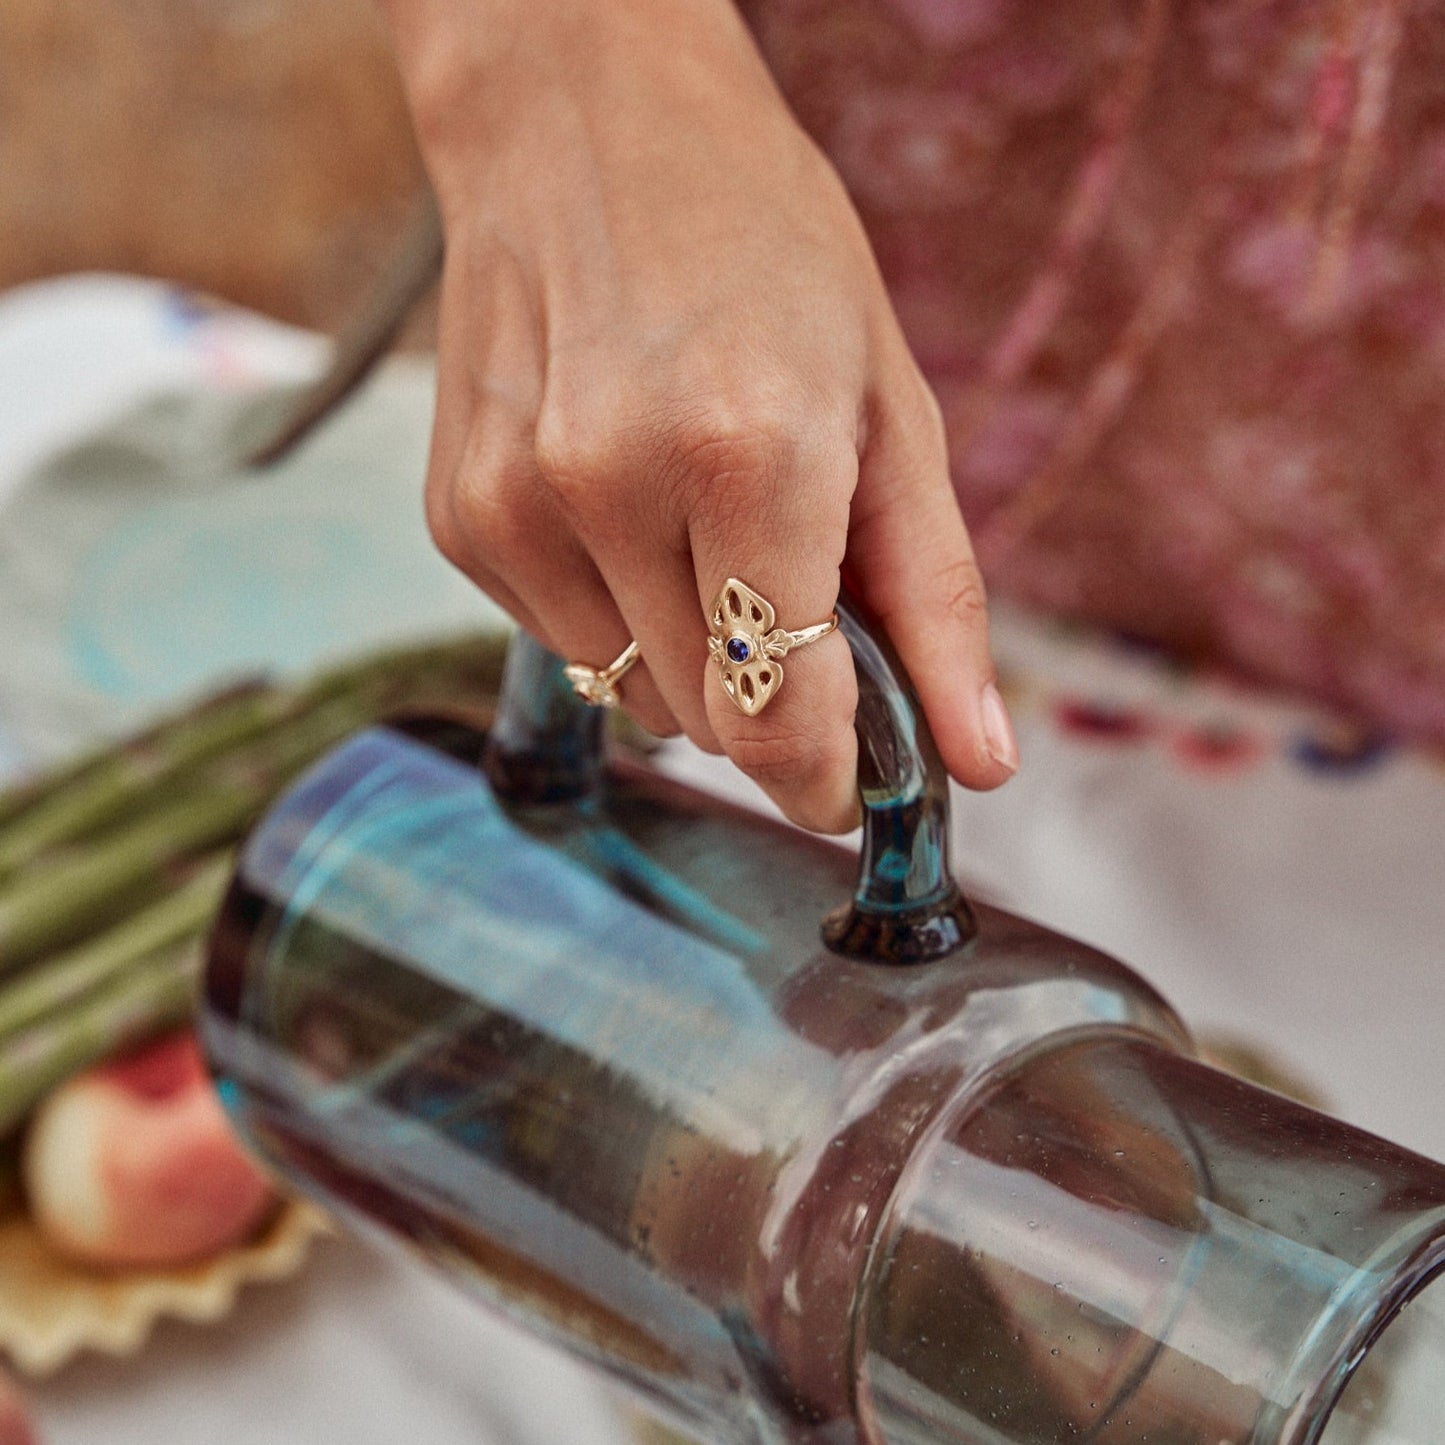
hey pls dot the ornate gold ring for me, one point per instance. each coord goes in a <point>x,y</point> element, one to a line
<point>747,645</point>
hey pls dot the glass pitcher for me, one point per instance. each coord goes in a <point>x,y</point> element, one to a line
<point>927,1173</point>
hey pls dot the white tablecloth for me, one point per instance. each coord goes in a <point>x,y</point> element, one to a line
<point>1275,877</point>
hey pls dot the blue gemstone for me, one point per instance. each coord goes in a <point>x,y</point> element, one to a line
<point>738,649</point>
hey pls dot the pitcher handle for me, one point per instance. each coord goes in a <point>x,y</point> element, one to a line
<point>546,746</point>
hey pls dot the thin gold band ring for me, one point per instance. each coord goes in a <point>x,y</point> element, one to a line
<point>598,685</point>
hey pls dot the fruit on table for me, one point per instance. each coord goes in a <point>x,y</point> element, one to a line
<point>133,1162</point>
<point>112,864</point>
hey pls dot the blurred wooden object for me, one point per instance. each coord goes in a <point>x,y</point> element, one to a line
<point>257,149</point>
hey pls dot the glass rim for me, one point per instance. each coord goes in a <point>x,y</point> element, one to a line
<point>1420,1264</point>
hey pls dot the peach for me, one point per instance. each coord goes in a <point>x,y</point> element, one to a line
<point>133,1162</point>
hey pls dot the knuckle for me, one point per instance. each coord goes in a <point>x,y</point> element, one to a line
<point>683,452</point>
<point>721,467</point>
<point>442,521</point>
<point>930,412</point>
<point>773,759</point>
<point>960,585</point>
<point>474,513</point>
<point>722,445</point>
<point>787,759</point>
<point>909,417</point>
<point>763,429</point>
<point>576,458</point>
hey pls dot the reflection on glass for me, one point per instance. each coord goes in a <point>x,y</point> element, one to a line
<point>591,1056</point>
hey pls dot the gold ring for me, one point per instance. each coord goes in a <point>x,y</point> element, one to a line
<point>747,646</point>
<point>598,685</point>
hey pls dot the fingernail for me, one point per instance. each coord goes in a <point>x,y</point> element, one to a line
<point>998,731</point>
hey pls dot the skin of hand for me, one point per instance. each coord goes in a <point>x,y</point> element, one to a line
<point>666,358</point>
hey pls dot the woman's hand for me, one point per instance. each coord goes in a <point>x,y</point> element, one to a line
<point>667,358</point>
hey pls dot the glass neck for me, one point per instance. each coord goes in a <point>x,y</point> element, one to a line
<point>545,745</point>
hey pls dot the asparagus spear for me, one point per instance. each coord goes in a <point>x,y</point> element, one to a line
<point>177,918</point>
<point>55,905</point>
<point>190,783</point>
<point>50,906</point>
<point>31,791</point>
<point>126,1011</point>
<point>112,785</point>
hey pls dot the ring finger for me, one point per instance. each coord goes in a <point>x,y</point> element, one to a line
<point>799,745</point>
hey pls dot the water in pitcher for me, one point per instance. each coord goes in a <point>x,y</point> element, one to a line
<point>593,1059</point>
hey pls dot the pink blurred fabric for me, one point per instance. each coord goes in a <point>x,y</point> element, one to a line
<point>1177,274</point>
